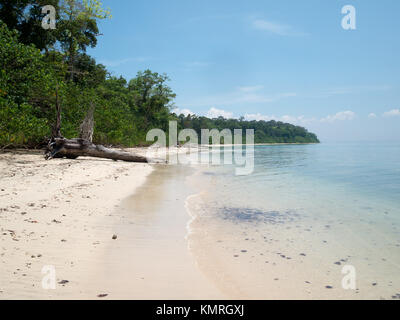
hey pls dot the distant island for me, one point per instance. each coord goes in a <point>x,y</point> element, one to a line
<point>264,131</point>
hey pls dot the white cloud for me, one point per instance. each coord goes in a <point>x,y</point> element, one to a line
<point>392,113</point>
<point>117,63</point>
<point>216,113</point>
<point>275,28</point>
<point>372,115</point>
<point>185,112</point>
<point>292,119</point>
<point>250,88</point>
<point>259,117</point>
<point>340,116</point>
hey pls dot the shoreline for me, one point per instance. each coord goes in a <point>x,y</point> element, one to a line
<point>168,244</point>
<point>111,230</point>
<point>270,245</point>
<point>152,261</point>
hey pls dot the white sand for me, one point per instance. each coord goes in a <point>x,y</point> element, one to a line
<point>63,214</point>
<point>57,213</point>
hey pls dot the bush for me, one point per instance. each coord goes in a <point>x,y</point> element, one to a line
<point>19,127</point>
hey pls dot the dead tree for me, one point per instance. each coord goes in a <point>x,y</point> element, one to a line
<point>74,148</point>
<point>87,126</point>
<point>59,147</point>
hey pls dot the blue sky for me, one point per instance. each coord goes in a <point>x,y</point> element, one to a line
<point>286,60</point>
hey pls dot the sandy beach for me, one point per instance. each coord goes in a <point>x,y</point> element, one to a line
<point>69,215</point>
<point>117,230</point>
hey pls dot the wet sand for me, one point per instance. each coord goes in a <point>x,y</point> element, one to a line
<point>150,259</point>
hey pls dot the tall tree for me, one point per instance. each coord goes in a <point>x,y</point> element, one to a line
<point>23,77</point>
<point>12,12</point>
<point>151,97</point>
<point>77,28</point>
<point>26,17</point>
<point>76,25</point>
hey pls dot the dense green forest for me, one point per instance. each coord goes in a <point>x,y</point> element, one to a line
<point>45,69</point>
<point>265,131</point>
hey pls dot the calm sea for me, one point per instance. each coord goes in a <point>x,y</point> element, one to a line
<point>337,203</point>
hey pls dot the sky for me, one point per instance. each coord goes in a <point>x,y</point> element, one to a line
<point>286,60</point>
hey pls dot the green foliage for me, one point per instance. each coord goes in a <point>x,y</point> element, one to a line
<point>26,17</point>
<point>151,99</point>
<point>19,126</point>
<point>23,70</point>
<point>94,8</point>
<point>35,77</point>
<point>23,78</point>
<point>264,132</point>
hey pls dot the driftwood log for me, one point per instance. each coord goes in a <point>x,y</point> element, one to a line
<point>74,148</point>
<point>59,147</point>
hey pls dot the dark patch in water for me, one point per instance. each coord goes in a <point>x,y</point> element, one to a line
<point>256,215</point>
<point>367,208</point>
<point>209,173</point>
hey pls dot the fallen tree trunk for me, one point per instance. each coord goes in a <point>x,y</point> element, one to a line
<point>74,148</point>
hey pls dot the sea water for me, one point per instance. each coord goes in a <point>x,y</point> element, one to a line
<point>324,219</point>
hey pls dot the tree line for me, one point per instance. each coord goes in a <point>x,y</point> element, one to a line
<point>42,71</point>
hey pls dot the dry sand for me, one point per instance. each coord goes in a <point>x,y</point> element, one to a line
<point>64,214</point>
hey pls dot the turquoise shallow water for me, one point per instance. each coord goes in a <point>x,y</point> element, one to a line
<point>364,169</point>
<point>361,177</point>
<point>340,201</point>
